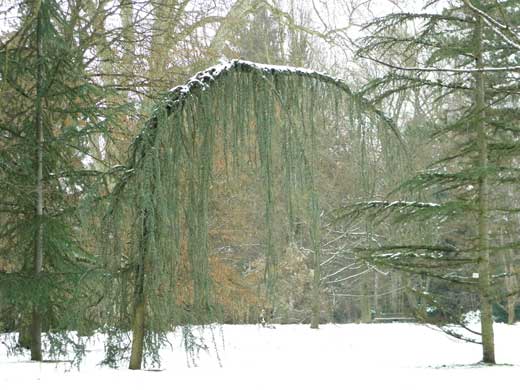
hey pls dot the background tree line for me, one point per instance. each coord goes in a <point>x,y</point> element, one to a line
<point>79,78</point>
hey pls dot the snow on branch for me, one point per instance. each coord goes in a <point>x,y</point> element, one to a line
<point>436,258</point>
<point>484,15</point>
<point>440,262</point>
<point>495,25</point>
<point>400,210</point>
<point>205,78</point>
<point>399,204</point>
<point>501,34</point>
<point>378,206</point>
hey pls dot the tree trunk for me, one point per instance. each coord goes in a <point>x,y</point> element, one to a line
<point>511,288</point>
<point>316,281</point>
<point>510,280</point>
<point>123,310</point>
<point>395,295</point>
<point>139,310</point>
<point>136,356</point>
<point>366,316</point>
<point>411,297</point>
<point>36,322</point>
<point>315,317</point>
<point>138,321</point>
<point>486,315</point>
<point>316,245</point>
<point>376,293</point>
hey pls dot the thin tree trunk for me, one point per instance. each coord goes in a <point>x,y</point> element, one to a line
<point>315,317</point>
<point>366,316</point>
<point>376,293</point>
<point>316,282</point>
<point>411,298</point>
<point>511,287</point>
<point>512,291</point>
<point>395,282</point>
<point>138,321</point>
<point>36,322</point>
<point>25,326</point>
<point>139,309</point>
<point>315,227</point>
<point>315,239</point>
<point>97,14</point>
<point>510,281</point>
<point>486,315</point>
<point>123,311</point>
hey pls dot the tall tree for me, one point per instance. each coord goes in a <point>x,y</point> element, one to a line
<point>54,109</point>
<point>272,130</point>
<point>462,53</point>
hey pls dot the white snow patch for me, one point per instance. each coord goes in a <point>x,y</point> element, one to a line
<point>375,356</point>
<point>201,79</point>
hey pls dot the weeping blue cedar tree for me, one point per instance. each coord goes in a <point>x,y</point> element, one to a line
<point>240,109</point>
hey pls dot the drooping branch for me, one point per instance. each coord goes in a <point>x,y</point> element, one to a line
<point>205,79</point>
<point>263,118</point>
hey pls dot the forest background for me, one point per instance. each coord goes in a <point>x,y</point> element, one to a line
<point>417,218</point>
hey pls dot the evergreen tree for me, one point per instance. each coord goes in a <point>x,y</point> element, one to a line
<point>464,54</point>
<point>54,109</point>
<point>261,118</point>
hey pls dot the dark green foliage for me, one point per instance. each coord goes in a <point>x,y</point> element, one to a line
<point>462,53</point>
<point>45,80</point>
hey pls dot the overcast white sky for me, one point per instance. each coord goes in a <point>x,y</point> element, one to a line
<point>330,12</point>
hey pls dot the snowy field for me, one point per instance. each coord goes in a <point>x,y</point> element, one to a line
<point>374,356</point>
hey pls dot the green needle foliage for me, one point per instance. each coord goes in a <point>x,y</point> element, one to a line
<point>53,112</point>
<point>253,117</point>
<point>465,59</point>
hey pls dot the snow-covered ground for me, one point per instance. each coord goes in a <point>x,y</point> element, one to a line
<point>375,356</point>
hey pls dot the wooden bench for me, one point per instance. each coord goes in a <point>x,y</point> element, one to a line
<point>393,317</point>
